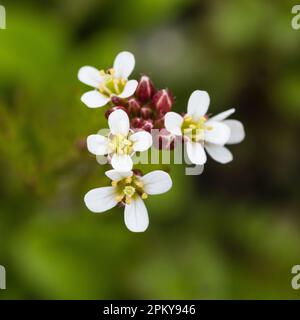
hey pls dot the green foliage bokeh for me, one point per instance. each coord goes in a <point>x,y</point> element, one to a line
<point>232,232</point>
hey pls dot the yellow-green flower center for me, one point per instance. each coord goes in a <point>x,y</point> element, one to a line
<point>195,130</point>
<point>121,145</point>
<point>128,188</point>
<point>129,191</point>
<point>111,85</point>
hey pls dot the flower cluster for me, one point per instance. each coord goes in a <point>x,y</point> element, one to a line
<point>135,109</point>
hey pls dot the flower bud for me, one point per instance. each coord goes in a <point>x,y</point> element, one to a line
<point>159,123</point>
<point>133,107</point>
<point>146,112</point>
<point>137,172</point>
<point>145,89</point>
<point>117,101</point>
<point>109,111</point>
<point>136,123</point>
<point>163,101</point>
<point>147,125</point>
<point>163,140</point>
<point>121,204</point>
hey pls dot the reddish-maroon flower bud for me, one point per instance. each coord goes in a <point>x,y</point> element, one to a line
<point>117,101</point>
<point>109,111</point>
<point>163,140</point>
<point>163,101</point>
<point>159,123</point>
<point>146,112</point>
<point>145,89</point>
<point>121,204</point>
<point>137,172</point>
<point>133,107</point>
<point>147,125</point>
<point>136,123</point>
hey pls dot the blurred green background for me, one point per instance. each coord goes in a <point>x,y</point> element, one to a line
<point>232,232</point>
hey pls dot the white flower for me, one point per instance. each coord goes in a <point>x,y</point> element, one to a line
<point>121,143</point>
<point>111,83</point>
<point>131,190</point>
<point>201,133</point>
<point>237,134</point>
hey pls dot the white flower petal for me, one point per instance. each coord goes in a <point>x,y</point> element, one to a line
<point>124,64</point>
<point>219,153</point>
<point>157,182</point>
<point>198,104</point>
<point>90,76</point>
<point>100,199</point>
<point>142,140</point>
<point>115,175</point>
<point>195,152</point>
<point>173,123</point>
<point>101,159</point>
<point>129,89</point>
<point>118,122</point>
<point>121,163</point>
<point>97,144</point>
<point>94,99</point>
<point>218,132</point>
<point>223,115</point>
<point>237,133</point>
<point>136,215</point>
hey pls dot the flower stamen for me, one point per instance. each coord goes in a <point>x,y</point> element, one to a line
<point>111,85</point>
<point>128,188</point>
<point>194,129</point>
<point>111,71</point>
<point>139,184</point>
<point>144,196</point>
<point>129,191</point>
<point>121,145</point>
<point>128,180</point>
<point>114,183</point>
<point>119,197</point>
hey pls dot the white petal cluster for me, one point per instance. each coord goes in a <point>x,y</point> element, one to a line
<point>121,143</point>
<point>202,133</point>
<point>129,189</point>
<point>114,82</point>
<point>119,146</point>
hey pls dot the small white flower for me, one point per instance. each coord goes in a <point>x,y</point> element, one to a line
<point>201,133</point>
<point>131,190</point>
<point>114,82</point>
<point>121,143</point>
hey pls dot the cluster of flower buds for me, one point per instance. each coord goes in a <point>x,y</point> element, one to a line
<point>147,110</point>
<point>139,117</point>
<point>147,107</point>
